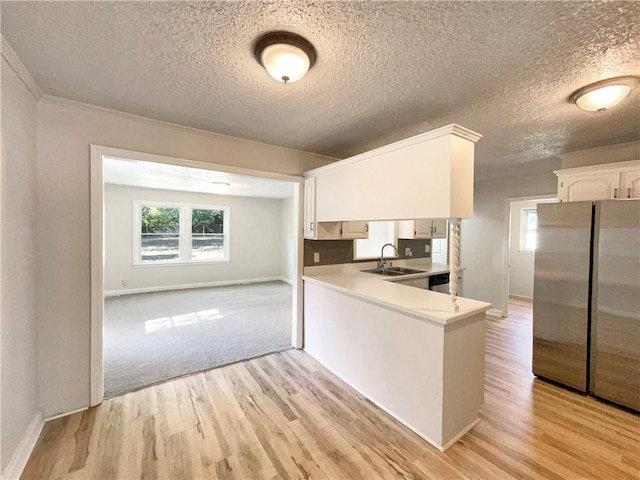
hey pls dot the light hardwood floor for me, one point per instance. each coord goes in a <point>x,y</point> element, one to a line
<point>284,416</point>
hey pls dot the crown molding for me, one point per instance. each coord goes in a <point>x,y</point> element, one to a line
<point>9,54</point>
<point>629,165</point>
<point>65,102</point>
<point>451,129</point>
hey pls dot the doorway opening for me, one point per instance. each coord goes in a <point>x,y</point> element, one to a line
<point>194,266</point>
<point>520,245</point>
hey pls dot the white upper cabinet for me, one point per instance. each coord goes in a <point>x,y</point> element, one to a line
<point>439,228</point>
<point>327,230</point>
<point>310,207</point>
<point>630,184</point>
<point>423,228</point>
<point>599,182</point>
<point>576,188</point>
<point>355,230</point>
<point>426,176</point>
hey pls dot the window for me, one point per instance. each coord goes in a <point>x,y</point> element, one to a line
<point>528,230</point>
<point>207,234</point>
<point>379,234</point>
<point>159,234</point>
<point>180,233</point>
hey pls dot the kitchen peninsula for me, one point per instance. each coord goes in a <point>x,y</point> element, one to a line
<point>401,347</point>
<point>416,353</point>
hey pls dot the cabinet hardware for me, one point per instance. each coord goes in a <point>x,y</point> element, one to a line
<point>366,228</point>
<point>628,193</point>
<point>615,193</point>
<point>311,226</point>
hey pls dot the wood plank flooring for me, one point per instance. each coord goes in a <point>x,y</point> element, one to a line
<point>284,416</point>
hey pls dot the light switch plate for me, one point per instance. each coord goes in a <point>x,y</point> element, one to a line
<point>427,248</point>
<point>407,252</point>
<point>316,257</point>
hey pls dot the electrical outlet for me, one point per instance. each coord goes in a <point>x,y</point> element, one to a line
<point>316,257</point>
<point>407,252</point>
<point>125,283</point>
<point>427,248</point>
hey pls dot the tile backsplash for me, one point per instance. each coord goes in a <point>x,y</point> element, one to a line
<point>333,252</point>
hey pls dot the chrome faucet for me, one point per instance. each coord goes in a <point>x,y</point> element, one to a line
<point>381,262</point>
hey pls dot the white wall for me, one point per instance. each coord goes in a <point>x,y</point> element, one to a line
<point>520,263</point>
<point>287,267</point>
<point>482,246</point>
<point>20,404</point>
<point>65,132</point>
<point>255,240</point>
<point>440,249</point>
<point>621,152</point>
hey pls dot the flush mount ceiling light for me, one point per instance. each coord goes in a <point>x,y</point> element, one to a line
<point>286,56</point>
<point>600,96</point>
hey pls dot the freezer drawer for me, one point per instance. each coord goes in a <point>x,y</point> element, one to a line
<point>561,293</point>
<point>615,337</point>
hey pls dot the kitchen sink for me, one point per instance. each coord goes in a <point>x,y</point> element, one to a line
<point>393,271</point>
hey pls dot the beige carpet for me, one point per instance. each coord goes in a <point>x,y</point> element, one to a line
<point>152,337</point>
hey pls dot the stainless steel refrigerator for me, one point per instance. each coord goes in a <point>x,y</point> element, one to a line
<point>586,298</point>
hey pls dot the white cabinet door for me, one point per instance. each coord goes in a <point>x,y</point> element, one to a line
<point>439,227</point>
<point>414,228</point>
<point>630,184</point>
<point>355,230</point>
<point>599,182</point>
<point>310,230</point>
<point>423,228</point>
<point>327,230</point>
<point>406,229</point>
<point>577,188</point>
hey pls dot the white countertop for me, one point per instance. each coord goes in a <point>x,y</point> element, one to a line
<point>426,304</point>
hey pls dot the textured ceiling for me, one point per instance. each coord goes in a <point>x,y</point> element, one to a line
<point>385,70</point>
<point>172,177</point>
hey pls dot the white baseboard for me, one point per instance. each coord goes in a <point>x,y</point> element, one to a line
<point>494,314</point>
<point>21,455</point>
<point>65,414</point>
<point>129,291</point>
<point>461,434</point>
<point>422,435</point>
<point>286,280</point>
<point>520,297</point>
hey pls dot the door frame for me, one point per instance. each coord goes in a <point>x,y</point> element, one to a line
<point>506,244</point>
<point>98,153</point>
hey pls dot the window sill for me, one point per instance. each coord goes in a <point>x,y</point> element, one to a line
<point>178,264</point>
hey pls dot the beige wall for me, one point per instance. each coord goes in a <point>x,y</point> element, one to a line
<point>520,262</point>
<point>20,404</point>
<point>255,234</point>
<point>483,244</point>
<point>287,266</point>
<point>65,133</point>
<point>621,152</point>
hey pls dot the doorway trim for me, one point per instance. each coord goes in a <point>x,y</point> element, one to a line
<point>97,155</point>
<point>506,244</point>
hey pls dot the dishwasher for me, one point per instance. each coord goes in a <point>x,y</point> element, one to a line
<point>439,283</point>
